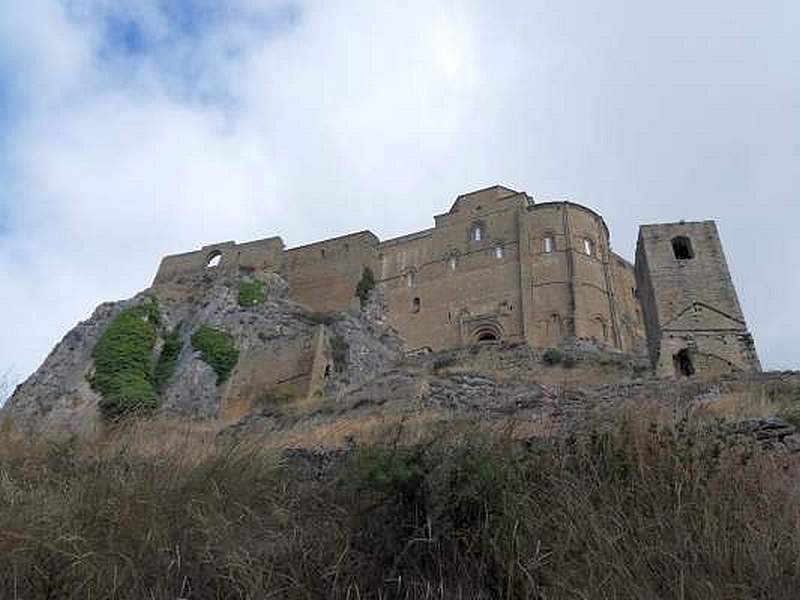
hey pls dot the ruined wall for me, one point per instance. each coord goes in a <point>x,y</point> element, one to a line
<point>324,275</point>
<point>692,312</point>
<point>218,259</point>
<point>544,273</point>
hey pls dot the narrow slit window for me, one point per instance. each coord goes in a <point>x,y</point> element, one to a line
<point>588,247</point>
<point>415,304</point>
<point>452,263</point>
<point>477,233</point>
<point>498,252</point>
<point>548,245</point>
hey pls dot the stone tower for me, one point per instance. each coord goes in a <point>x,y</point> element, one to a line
<point>692,315</point>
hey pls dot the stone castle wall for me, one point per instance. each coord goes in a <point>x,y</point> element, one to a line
<point>498,266</point>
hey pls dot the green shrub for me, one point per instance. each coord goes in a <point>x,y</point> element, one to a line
<point>552,356</point>
<point>168,359</point>
<point>123,362</point>
<point>365,286</point>
<point>134,395</point>
<point>251,293</point>
<point>217,350</point>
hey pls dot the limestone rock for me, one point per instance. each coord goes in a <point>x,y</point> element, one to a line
<point>275,340</point>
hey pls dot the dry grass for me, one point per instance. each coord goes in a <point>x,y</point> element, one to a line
<point>743,404</point>
<point>421,510</point>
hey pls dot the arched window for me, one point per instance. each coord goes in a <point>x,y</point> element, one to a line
<point>548,245</point>
<point>415,304</point>
<point>588,247</point>
<point>682,247</point>
<point>498,251</point>
<point>477,233</point>
<point>214,259</point>
<point>411,278</point>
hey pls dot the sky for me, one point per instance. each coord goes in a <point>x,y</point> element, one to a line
<point>130,130</point>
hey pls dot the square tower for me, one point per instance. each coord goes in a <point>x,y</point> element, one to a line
<point>692,315</point>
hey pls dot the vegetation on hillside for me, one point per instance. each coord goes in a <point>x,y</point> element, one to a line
<point>217,349</point>
<point>365,286</point>
<point>126,374</point>
<point>123,361</point>
<point>639,512</point>
<point>251,293</point>
<point>168,359</point>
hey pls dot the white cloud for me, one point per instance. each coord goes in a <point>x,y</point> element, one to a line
<point>353,115</point>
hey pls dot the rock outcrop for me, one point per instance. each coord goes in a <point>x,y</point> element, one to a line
<point>281,344</point>
<point>309,379</point>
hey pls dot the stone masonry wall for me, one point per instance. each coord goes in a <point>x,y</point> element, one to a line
<point>499,266</point>
<point>690,303</point>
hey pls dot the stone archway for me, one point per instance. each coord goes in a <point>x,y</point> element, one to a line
<point>486,333</point>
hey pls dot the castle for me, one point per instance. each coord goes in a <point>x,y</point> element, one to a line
<point>499,267</point>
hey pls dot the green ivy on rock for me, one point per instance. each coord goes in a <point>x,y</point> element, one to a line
<point>217,350</point>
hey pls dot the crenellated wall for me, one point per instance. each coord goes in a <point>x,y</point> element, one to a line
<point>499,266</point>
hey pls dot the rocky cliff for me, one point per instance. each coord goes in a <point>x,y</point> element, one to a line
<point>279,352</point>
<point>237,353</point>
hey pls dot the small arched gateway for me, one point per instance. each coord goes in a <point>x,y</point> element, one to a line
<point>486,333</point>
<point>684,367</point>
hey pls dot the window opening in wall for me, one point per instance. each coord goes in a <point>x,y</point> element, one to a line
<point>453,263</point>
<point>588,247</point>
<point>415,305</point>
<point>410,279</point>
<point>547,245</point>
<point>683,364</point>
<point>327,371</point>
<point>487,336</point>
<point>214,259</point>
<point>449,317</point>
<point>498,252</point>
<point>322,253</point>
<point>477,233</point>
<point>682,247</point>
